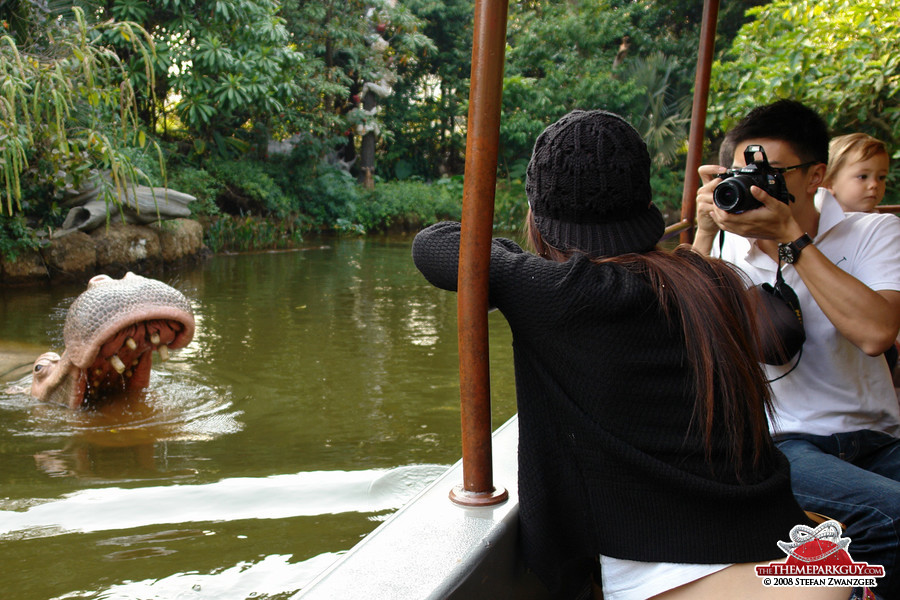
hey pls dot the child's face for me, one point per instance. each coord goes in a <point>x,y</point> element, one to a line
<point>859,186</point>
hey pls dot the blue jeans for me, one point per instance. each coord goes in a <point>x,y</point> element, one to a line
<point>854,478</point>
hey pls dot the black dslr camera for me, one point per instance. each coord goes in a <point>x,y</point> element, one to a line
<point>733,195</point>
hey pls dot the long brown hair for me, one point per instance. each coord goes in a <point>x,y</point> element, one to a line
<point>710,299</point>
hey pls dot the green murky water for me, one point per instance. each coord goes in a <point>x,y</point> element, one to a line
<point>319,394</point>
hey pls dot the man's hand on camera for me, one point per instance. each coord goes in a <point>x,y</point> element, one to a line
<point>709,177</point>
<point>771,221</point>
<point>707,227</point>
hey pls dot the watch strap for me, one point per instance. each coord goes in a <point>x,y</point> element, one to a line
<point>794,248</point>
<point>800,243</point>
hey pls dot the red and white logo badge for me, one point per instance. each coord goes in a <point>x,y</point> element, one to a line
<point>819,557</point>
<point>823,544</point>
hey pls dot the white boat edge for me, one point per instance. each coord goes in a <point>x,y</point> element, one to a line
<point>434,549</point>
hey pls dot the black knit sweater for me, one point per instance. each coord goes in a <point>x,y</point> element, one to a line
<point>608,461</point>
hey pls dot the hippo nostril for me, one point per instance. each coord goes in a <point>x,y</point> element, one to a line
<point>99,279</point>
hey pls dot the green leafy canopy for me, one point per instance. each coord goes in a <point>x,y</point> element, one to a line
<point>839,56</point>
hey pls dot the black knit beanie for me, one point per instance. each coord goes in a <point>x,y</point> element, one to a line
<point>588,185</point>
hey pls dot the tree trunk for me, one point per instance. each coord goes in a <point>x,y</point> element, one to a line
<point>261,138</point>
<point>367,148</point>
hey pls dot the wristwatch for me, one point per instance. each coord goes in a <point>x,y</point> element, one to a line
<point>789,253</point>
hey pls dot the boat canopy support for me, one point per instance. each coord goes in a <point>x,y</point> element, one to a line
<point>482,143</point>
<point>697,134</point>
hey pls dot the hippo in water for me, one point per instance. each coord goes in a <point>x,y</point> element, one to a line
<point>110,333</point>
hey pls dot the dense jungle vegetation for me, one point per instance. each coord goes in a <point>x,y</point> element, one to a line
<point>289,116</point>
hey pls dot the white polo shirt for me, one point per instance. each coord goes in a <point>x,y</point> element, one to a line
<point>836,387</point>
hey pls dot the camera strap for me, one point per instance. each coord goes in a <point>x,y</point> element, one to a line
<point>786,293</point>
<point>782,290</point>
<point>779,320</point>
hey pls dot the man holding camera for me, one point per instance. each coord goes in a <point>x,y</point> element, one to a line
<point>836,413</point>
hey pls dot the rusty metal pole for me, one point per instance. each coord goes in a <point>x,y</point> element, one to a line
<point>482,142</point>
<point>698,115</point>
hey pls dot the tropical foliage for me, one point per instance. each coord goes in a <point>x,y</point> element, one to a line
<point>68,111</point>
<point>837,55</point>
<point>273,111</point>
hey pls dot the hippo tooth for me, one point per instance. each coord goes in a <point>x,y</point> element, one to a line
<point>163,353</point>
<point>131,343</point>
<point>135,362</point>
<point>154,338</point>
<point>117,364</point>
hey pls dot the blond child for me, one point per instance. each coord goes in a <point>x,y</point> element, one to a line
<point>857,171</point>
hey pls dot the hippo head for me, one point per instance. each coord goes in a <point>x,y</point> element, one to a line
<point>110,334</point>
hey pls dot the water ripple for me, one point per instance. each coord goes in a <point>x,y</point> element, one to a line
<point>274,497</point>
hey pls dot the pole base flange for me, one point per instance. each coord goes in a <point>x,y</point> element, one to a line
<point>459,495</point>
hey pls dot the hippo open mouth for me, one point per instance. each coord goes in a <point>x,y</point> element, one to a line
<point>111,332</point>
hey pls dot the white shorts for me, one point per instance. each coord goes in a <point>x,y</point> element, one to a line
<point>635,580</point>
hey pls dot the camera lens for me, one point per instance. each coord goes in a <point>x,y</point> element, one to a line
<point>727,195</point>
<point>733,195</point>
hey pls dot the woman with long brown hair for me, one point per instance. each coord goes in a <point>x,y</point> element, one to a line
<point>642,404</point>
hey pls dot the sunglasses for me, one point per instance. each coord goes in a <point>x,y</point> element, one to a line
<point>784,170</point>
